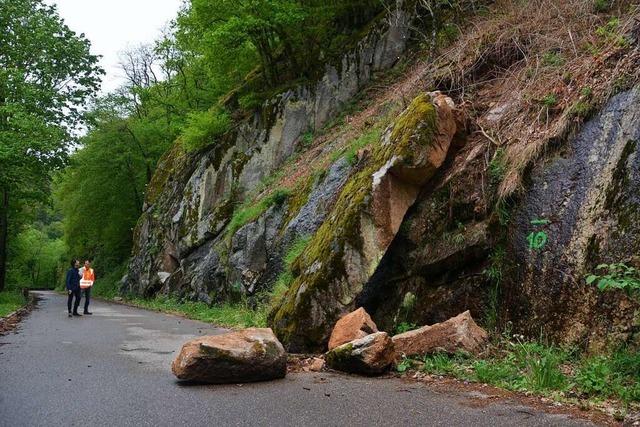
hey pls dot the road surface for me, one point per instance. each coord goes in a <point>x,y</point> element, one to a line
<point>113,369</point>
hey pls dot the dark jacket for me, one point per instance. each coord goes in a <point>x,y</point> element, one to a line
<point>73,279</point>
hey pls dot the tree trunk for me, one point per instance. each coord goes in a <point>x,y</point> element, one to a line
<point>4,232</point>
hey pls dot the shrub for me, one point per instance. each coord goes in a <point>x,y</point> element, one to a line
<point>618,276</point>
<point>553,59</point>
<point>600,6</point>
<point>203,127</point>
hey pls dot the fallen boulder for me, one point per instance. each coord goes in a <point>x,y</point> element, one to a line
<point>253,354</point>
<point>457,333</point>
<point>370,355</point>
<point>357,324</point>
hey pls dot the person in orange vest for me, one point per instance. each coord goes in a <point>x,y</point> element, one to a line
<point>87,277</point>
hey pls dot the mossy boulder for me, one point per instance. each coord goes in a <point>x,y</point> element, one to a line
<point>346,249</point>
<point>370,355</point>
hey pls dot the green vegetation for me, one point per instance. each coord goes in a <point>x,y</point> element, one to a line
<point>497,168</point>
<point>203,127</point>
<point>240,314</point>
<point>402,323</point>
<point>580,110</point>
<point>252,210</point>
<point>285,279</point>
<point>529,366</point>
<point>236,315</point>
<point>413,130</point>
<point>609,33</point>
<point>601,6</point>
<point>494,274</point>
<point>553,59</point>
<point>549,101</point>
<point>46,73</point>
<point>10,301</point>
<point>181,94</point>
<point>616,276</point>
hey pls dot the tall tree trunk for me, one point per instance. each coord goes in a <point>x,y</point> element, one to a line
<point>4,232</point>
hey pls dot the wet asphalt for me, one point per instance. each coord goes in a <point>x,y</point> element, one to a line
<point>113,369</point>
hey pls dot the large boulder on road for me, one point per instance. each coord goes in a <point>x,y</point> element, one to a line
<point>457,333</point>
<point>370,355</point>
<point>357,324</point>
<point>248,355</point>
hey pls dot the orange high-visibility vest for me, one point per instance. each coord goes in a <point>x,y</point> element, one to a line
<point>87,278</point>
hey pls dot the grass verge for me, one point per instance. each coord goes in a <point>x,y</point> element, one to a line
<point>10,301</point>
<point>564,374</point>
<point>236,315</point>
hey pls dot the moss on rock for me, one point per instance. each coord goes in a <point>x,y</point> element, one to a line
<point>321,277</point>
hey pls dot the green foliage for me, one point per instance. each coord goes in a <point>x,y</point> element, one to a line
<point>494,273</point>
<point>203,127</point>
<point>296,249</point>
<point>616,276</point>
<point>405,311</point>
<point>616,375</point>
<point>284,38</point>
<point>403,327</point>
<point>251,211</point>
<point>601,6</point>
<point>444,364</point>
<point>405,364</point>
<point>11,300</point>
<point>235,315</point>
<point>307,139</point>
<point>101,192</point>
<point>351,152</point>
<point>609,33</point>
<point>549,101</point>
<point>553,59</point>
<point>497,167</point>
<point>107,285</point>
<point>586,92</point>
<point>285,278</point>
<point>38,256</point>
<point>520,365</point>
<point>46,73</point>
<point>580,109</point>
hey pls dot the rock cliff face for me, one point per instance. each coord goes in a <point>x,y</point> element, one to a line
<point>410,227</point>
<point>585,198</point>
<point>580,208</point>
<point>178,242</point>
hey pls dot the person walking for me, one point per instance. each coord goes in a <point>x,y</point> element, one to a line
<point>73,287</point>
<point>87,277</point>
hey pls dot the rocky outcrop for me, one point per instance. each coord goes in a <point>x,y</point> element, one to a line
<point>524,262</point>
<point>345,251</point>
<point>181,242</point>
<point>355,325</point>
<point>370,355</point>
<point>236,357</point>
<point>457,333</point>
<point>581,209</point>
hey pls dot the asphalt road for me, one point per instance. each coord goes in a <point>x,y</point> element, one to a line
<point>113,369</point>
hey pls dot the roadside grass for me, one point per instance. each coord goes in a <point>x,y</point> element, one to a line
<point>547,370</point>
<point>10,301</point>
<point>233,315</point>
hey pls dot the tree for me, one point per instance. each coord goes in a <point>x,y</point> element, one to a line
<point>46,73</point>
